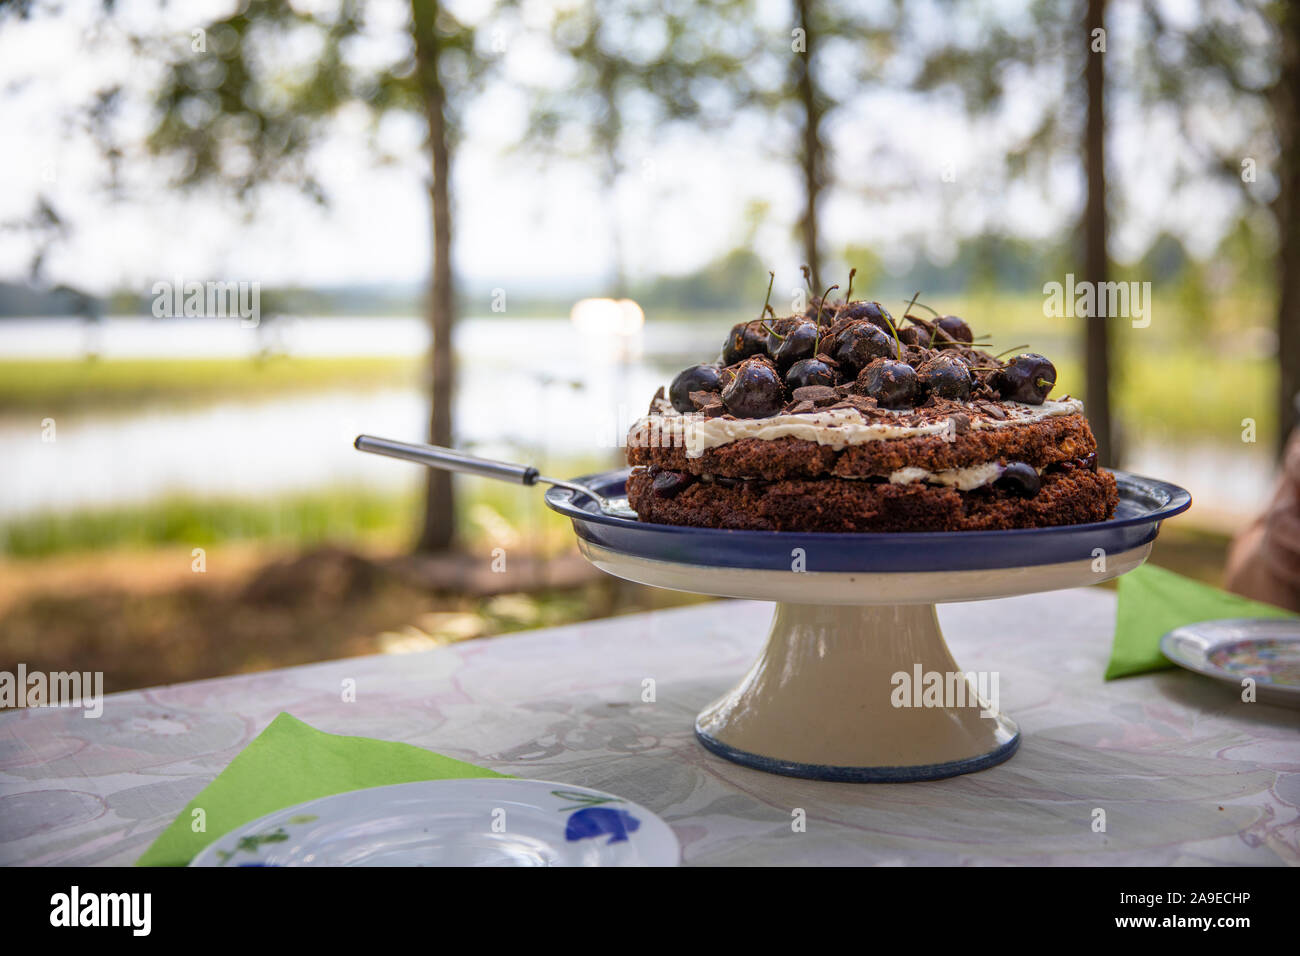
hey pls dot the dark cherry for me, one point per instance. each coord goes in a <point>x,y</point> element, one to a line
<point>920,336</point>
<point>746,339</point>
<point>1020,479</point>
<point>755,391</point>
<point>1086,463</point>
<point>891,383</point>
<point>946,377</point>
<point>858,344</point>
<point>1027,378</point>
<point>955,328</point>
<point>668,484</point>
<point>697,378</point>
<point>872,312</point>
<point>809,371</point>
<point>781,328</point>
<point>796,346</point>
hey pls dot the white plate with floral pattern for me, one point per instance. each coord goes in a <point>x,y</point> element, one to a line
<point>485,821</point>
<point>1265,651</point>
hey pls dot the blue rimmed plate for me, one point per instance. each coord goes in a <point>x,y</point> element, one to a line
<point>1143,504</point>
<point>1265,650</point>
<point>484,821</point>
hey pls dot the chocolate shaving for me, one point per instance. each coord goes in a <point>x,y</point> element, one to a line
<point>703,399</point>
<point>817,394</point>
<point>859,403</point>
<point>800,407</point>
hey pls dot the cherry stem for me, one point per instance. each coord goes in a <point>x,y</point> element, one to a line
<point>1012,349</point>
<point>910,304</point>
<point>771,278</point>
<point>898,343</point>
<point>848,296</point>
<point>818,340</point>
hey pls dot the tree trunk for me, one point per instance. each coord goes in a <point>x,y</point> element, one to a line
<point>1285,100</point>
<point>812,155</point>
<point>1096,335</point>
<point>438,531</point>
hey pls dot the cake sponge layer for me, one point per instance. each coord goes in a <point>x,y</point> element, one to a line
<point>1041,443</point>
<point>1072,496</point>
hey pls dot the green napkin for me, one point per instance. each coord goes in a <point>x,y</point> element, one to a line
<point>290,763</point>
<point>1153,601</point>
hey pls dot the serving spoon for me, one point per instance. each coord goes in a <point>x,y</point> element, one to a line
<point>449,459</point>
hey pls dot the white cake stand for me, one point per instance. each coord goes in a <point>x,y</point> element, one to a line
<point>839,692</point>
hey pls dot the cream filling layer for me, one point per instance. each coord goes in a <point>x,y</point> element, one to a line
<point>963,479</point>
<point>836,428</point>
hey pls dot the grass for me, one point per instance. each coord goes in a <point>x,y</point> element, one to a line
<point>49,386</point>
<point>490,513</point>
<point>1182,378</point>
<point>1177,400</point>
<point>200,523</point>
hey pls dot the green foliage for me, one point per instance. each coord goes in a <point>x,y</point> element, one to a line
<point>243,103</point>
<point>634,69</point>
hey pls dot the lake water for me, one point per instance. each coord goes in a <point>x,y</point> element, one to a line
<point>532,390</point>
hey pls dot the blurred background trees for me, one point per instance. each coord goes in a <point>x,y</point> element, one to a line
<point>235,113</point>
<point>1239,59</point>
<point>384,167</point>
<point>246,98</point>
<point>633,75</point>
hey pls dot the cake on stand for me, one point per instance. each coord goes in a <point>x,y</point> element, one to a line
<point>856,682</point>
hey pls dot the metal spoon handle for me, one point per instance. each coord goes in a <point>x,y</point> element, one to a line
<point>448,459</point>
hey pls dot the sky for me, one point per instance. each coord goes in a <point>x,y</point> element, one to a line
<point>520,220</point>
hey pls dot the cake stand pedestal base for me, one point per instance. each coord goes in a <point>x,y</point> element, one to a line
<point>862,694</point>
<point>855,682</point>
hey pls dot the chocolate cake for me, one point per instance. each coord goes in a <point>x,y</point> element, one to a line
<point>846,419</point>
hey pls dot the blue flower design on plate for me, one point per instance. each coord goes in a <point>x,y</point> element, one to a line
<point>597,821</point>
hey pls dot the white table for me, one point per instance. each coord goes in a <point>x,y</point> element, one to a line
<point>1184,772</point>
